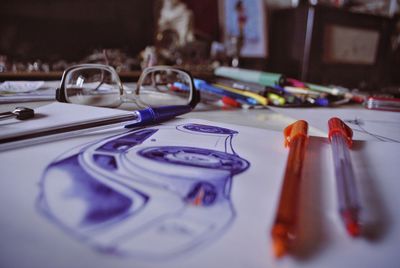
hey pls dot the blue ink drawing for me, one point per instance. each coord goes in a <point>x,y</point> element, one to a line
<point>361,125</point>
<point>150,193</point>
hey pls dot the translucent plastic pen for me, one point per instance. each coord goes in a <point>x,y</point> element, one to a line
<point>284,228</point>
<point>340,136</point>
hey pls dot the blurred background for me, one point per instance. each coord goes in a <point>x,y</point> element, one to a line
<point>348,43</point>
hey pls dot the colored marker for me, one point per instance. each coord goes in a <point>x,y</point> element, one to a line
<point>323,89</point>
<point>204,86</point>
<point>294,83</point>
<point>319,101</point>
<point>262,100</point>
<point>262,78</point>
<point>272,79</point>
<point>248,86</point>
<point>276,99</point>
<point>230,102</point>
<point>299,90</point>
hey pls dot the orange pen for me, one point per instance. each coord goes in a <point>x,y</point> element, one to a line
<point>284,228</point>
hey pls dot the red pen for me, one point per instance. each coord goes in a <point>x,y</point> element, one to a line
<point>284,228</point>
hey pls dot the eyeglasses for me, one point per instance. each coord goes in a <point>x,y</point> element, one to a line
<point>100,85</point>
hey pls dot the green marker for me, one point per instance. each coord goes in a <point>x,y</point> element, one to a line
<point>262,78</point>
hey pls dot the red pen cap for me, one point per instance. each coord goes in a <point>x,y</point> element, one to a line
<point>338,126</point>
<point>297,129</point>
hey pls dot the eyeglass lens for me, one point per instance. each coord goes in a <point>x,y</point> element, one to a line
<point>101,86</point>
<point>93,86</point>
<point>162,87</point>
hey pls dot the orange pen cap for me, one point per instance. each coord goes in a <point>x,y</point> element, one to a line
<point>297,129</point>
<point>338,126</point>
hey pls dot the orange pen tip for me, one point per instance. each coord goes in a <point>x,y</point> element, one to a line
<point>279,247</point>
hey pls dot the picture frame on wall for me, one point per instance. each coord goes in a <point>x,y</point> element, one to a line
<point>246,19</point>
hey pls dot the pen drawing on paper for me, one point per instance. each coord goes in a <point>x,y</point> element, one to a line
<point>362,125</point>
<point>149,193</point>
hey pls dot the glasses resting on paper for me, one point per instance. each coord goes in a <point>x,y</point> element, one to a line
<point>100,85</point>
<point>157,91</point>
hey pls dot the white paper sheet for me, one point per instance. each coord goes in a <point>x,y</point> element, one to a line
<point>20,86</point>
<point>53,115</point>
<point>25,91</point>
<point>41,223</point>
<point>369,125</point>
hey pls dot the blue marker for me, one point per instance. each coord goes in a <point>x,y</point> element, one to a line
<point>322,102</point>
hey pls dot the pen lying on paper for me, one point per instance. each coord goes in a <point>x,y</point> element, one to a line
<point>340,136</point>
<point>21,113</point>
<point>138,118</point>
<point>284,228</point>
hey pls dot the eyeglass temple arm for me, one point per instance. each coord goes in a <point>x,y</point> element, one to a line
<point>60,95</point>
<point>195,96</point>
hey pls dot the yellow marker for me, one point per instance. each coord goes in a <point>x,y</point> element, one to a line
<point>262,100</point>
<point>276,99</point>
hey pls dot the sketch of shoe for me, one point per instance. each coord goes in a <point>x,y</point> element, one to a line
<point>149,193</point>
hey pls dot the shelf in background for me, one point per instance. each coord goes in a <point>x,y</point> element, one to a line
<point>131,76</point>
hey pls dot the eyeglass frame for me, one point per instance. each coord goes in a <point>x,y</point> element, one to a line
<point>194,97</point>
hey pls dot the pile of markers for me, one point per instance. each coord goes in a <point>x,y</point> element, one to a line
<point>248,88</point>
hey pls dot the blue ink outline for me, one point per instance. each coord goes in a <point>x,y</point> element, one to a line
<point>103,237</point>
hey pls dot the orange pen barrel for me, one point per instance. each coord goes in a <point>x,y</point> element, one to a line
<point>284,228</point>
